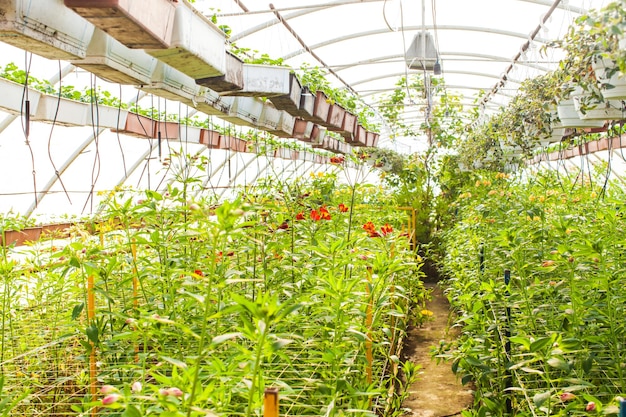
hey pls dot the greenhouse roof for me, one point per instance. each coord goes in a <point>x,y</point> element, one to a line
<point>54,167</point>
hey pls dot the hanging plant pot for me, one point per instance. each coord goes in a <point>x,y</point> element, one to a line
<point>318,134</point>
<point>14,95</point>
<point>232,78</point>
<point>290,102</point>
<point>44,27</point>
<point>197,47</point>
<point>106,116</point>
<point>167,130</point>
<point>131,22</point>
<point>285,126</point>
<point>613,86</point>
<point>569,116</point>
<point>556,136</point>
<point>321,108</point>
<point>334,120</point>
<point>347,126</point>
<point>212,104</point>
<point>61,111</point>
<point>169,83</point>
<point>189,134</point>
<point>270,118</point>
<point>139,126</point>
<point>307,105</point>
<point>264,81</point>
<point>372,139</point>
<point>303,130</point>
<point>360,136</point>
<point>210,138</point>
<point>114,62</point>
<point>607,110</point>
<point>233,143</point>
<point>245,111</point>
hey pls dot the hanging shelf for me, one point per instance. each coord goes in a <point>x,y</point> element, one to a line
<point>169,83</point>
<point>264,81</point>
<point>44,27</point>
<point>132,22</point>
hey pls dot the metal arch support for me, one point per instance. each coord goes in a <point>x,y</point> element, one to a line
<point>261,171</point>
<point>412,28</point>
<point>214,172</point>
<point>400,58</point>
<point>613,153</point>
<point>272,22</point>
<point>397,74</point>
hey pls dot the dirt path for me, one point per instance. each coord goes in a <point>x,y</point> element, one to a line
<point>437,393</point>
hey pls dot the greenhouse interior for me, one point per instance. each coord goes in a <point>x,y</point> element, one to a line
<point>312,208</point>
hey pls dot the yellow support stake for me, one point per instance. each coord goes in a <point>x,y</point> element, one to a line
<point>270,402</point>
<point>91,315</point>
<point>369,356</point>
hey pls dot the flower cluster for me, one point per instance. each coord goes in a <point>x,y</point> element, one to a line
<point>370,228</point>
<point>321,214</point>
<point>337,159</point>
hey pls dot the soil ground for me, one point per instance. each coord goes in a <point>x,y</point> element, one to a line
<point>437,392</point>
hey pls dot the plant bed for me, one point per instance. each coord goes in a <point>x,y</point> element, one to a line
<point>139,126</point>
<point>233,143</point>
<point>130,21</point>
<point>169,83</point>
<point>14,95</point>
<point>210,138</point>
<point>105,116</point>
<point>62,111</point>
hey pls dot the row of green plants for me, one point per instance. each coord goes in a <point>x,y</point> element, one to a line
<point>549,338</point>
<point>303,285</point>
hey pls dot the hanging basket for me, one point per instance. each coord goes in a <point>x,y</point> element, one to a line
<point>613,86</point>
<point>569,116</point>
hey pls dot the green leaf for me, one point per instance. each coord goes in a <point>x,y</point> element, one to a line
<point>524,341</point>
<point>559,364</point>
<point>225,337</point>
<point>78,308</point>
<point>92,333</point>
<point>131,411</point>
<point>541,398</point>
<point>540,343</point>
<point>176,362</point>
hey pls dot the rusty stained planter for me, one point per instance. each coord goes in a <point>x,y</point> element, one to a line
<point>112,61</point>
<point>347,126</point>
<point>33,234</point>
<point>303,130</point>
<point>318,135</point>
<point>371,139</point>
<point>321,109</point>
<point>289,102</point>
<point>44,27</point>
<point>233,143</point>
<point>334,121</point>
<point>131,22</point>
<point>360,136</point>
<point>230,81</point>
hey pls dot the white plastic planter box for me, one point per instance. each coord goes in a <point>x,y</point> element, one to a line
<point>614,86</point>
<point>190,134</point>
<point>197,47</point>
<point>61,111</point>
<point>289,102</point>
<point>263,81</point>
<point>12,99</point>
<point>135,23</point>
<point>284,128</point>
<point>44,27</point>
<point>112,61</point>
<point>211,103</point>
<point>169,83</point>
<point>569,116</point>
<point>607,110</point>
<point>246,111</point>
<point>105,116</point>
<point>231,80</point>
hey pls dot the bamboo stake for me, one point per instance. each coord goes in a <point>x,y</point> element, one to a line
<point>270,402</point>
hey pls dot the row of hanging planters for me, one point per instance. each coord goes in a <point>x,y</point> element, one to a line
<point>583,95</point>
<point>534,275</point>
<point>172,51</point>
<point>174,305</point>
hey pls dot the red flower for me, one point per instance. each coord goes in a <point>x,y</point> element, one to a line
<point>198,272</point>
<point>386,229</point>
<point>300,216</point>
<point>343,208</point>
<point>324,213</point>
<point>371,229</point>
<point>315,215</point>
<point>337,160</point>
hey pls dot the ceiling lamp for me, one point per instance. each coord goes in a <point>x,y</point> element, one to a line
<point>422,54</point>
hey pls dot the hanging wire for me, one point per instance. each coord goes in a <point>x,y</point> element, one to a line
<point>119,141</point>
<point>95,128</point>
<point>26,122</point>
